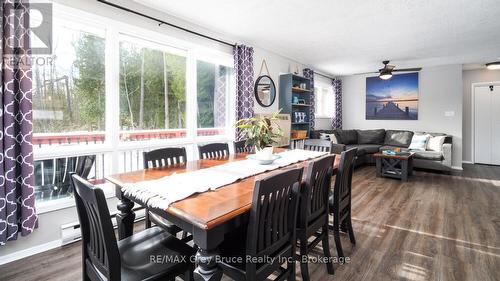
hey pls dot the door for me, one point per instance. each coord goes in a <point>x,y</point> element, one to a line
<point>487,125</point>
<point>495,125</point>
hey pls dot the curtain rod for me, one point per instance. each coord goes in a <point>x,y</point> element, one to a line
<point>326,76</point>
<point>164,22</point>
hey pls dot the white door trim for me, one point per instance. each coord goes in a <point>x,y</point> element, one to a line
<point>473,114</point>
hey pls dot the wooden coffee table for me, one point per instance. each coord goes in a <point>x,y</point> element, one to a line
<point>394,166</point>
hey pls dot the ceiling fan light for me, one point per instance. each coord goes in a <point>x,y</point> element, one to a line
<point>385,75</point>
<point>493,65</point>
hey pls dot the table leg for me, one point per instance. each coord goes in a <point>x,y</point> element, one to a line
<point>404,170</point>
<point>378,162</point>
<point>125,219</point>
<point>206,266</point>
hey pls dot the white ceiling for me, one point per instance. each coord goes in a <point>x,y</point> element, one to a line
<point>341,37</point>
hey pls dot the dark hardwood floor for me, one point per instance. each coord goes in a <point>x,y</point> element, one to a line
<point>433,227</point>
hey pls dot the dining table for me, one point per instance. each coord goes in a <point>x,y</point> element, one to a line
<point>208,216</point>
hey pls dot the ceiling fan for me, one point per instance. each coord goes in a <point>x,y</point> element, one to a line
<point>385,73</point>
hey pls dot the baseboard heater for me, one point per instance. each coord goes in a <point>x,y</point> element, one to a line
<point>71,232</point>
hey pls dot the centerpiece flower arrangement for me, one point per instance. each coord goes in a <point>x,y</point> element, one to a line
<point>261,132</point>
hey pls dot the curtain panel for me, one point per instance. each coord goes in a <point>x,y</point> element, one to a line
<point>17,200</point>
<point>309,73</point>
<point>243,66</point>
<point>337,92</point>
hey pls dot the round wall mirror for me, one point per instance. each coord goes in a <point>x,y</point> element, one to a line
<point>265,91</point>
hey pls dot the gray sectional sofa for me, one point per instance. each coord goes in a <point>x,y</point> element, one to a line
<point>369,142</point>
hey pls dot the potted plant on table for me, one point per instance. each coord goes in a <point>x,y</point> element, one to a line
<point>261,132</point>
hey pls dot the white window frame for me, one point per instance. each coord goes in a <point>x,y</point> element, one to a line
<point>320,103</point>
<point>113,32</point>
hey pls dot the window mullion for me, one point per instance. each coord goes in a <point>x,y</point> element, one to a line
<point>191,101</point>
<point>112,66</point>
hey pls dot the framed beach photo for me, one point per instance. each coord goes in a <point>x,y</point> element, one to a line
<point>393,99</point>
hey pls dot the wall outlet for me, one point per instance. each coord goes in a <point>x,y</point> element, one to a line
<point>449,113</point>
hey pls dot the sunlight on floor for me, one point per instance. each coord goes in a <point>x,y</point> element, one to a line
<point>412,272</point>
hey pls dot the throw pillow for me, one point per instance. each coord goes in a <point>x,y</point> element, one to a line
<point>419,142</point>
<point>330,137</point>
<point>436,143</point>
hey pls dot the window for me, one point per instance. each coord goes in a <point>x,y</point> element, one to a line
<point>69,89</point>
<point>325,100</point>
<point>152,91</point>
<point>214,83</point>
<point>111,91</point>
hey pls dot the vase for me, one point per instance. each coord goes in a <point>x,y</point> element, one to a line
<point>265,153</point>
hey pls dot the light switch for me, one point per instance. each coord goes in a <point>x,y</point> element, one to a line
<point>449,113</point>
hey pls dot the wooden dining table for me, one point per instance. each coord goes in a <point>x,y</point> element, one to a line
<point>208,216</point>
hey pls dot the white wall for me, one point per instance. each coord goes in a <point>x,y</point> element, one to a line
<point>440,90</point>
<point>469,77</point>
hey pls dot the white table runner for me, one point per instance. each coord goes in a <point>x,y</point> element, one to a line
<point>154,193</point>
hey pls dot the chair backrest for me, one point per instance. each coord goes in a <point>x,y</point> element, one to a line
<point>273,216</point>
<point>318,145</point>
<point>84,165</point>
<point>213,150</point>
<point>241,147</point>
<point>99,247</point>
<point>343,180</point>
<point>314,199</point>
<point>164,157</point>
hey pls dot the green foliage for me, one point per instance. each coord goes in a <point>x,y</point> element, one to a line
<point>89,89</point>
<point>260,132</point>
<point>131,59</point>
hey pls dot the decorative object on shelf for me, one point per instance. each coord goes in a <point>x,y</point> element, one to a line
<point>303,86</point>
<point>394,99</point>
<point>301,101</point>
<point>296,72</point>
<point>295,100</point>
<point>264,90</point>
<point>299,117</point>
<point>261,132</point>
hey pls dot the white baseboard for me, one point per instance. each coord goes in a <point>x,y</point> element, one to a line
<point>30,251</point>
<point>467,162</point>
<point>457,168</point>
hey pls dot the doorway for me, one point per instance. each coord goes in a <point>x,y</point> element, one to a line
<point>486,105</point>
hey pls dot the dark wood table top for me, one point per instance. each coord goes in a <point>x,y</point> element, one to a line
<point>397,156</point>
<point>211,208</point>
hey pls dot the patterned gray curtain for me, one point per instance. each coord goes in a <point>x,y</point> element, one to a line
<point>243,66</point>
<point>17,200</point>
<point>337,92</point>
<point>309,73</point>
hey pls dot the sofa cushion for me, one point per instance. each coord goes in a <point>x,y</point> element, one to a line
<point>398,138</point>
<point>419,142</point>
<point>331,137</point>
<point>371,136</point>
<point>364,148</point>
<point>429,155</point>
<point>347,136</point>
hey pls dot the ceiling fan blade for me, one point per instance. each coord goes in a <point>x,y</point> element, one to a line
<point>408,69</point>
<point>364,73</point>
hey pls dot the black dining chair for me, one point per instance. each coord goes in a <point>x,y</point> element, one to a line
<point>163,157</point>
<point>318,145</point>
<point>241,147</point>
<point>340,201</point>
<point>314,212</point>
<point>270,236</point>
<point>104,258</point>
<point>213,150</point>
